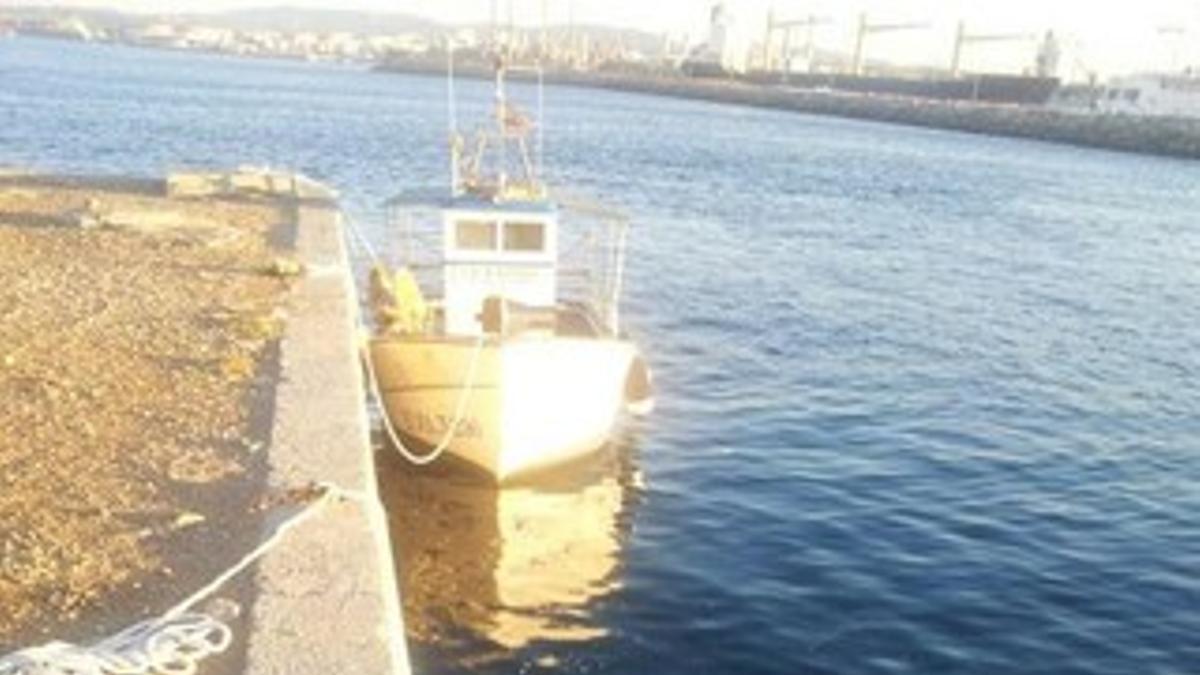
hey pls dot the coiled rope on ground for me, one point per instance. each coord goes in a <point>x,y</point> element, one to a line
<point>171,644</point>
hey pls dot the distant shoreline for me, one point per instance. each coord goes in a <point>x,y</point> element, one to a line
<point>1160,136</point>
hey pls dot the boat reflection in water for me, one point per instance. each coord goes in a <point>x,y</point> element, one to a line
<point>485,572</point>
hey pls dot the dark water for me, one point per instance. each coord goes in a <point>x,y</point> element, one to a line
<point>928,402</point>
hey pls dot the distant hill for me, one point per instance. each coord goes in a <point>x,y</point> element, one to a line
<point>104,18</point>
<point>290,19</point>
<point>279,18</point>
<point>297,20</point>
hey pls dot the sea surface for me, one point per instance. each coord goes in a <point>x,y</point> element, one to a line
<point>927,402</point>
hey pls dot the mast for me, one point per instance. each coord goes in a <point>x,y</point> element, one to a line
<point>501,161</point>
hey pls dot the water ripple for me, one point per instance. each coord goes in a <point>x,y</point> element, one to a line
<point>928,401</point>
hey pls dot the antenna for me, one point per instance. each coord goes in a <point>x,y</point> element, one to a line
<point>571,39</point>
<point>545,46</point>
<point>541,119</point>
<point>501,123</point>
<point>512,31</point>
<point>452,113</point>
<point>495,23</point>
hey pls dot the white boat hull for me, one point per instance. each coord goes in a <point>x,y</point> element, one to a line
<point>536,402</point>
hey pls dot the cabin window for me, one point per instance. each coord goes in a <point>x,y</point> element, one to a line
<point>528,237</point>
<point>475,235</point>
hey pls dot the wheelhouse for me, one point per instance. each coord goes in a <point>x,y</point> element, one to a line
<point>507,253</point>
<point>537,256</point>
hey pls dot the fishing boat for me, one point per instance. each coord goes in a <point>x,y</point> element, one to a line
<point>498,341</point>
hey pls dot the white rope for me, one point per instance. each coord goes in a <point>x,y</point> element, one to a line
<point>171,644</point>
<point>464,396</point>
<point>460,410</point>
<point>361,240</point>
<point>162,646</point>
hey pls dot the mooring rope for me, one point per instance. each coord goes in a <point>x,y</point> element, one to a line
<point>361,240</point>
<point>173,643</point>
<point>468,385</point>
<point>460,409</point>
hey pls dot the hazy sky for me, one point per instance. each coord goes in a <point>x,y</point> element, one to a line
<point>1109,36</point>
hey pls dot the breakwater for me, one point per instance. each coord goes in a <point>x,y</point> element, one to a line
<point>1173,137</point>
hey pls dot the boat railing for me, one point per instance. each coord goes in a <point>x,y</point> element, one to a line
<point>588,267</point>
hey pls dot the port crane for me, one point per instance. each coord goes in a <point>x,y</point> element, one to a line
<point>786,27</point>
<point>866,28</point>
<point>963,39</point>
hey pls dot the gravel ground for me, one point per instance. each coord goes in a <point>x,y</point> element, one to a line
<point>137,367</point>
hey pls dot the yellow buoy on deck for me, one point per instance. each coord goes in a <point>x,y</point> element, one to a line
<point>397,301</point>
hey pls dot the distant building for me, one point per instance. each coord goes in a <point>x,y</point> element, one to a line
<point>1046,63</point>
<point>156,34</point>
<point>71,28</point>
<point>204,37</point>
<point>466,38</point>
<point>1175,95</point>
<point>722,53</point>
<point>720,44</point>
<point>408,43</point>
<point>342,45</point>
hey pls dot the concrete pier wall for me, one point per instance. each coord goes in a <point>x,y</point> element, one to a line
<point>327,598</point>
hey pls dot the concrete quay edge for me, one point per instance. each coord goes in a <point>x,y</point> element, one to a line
<point>327,597</point>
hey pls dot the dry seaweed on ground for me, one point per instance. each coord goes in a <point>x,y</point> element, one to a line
<point>130,347</point>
